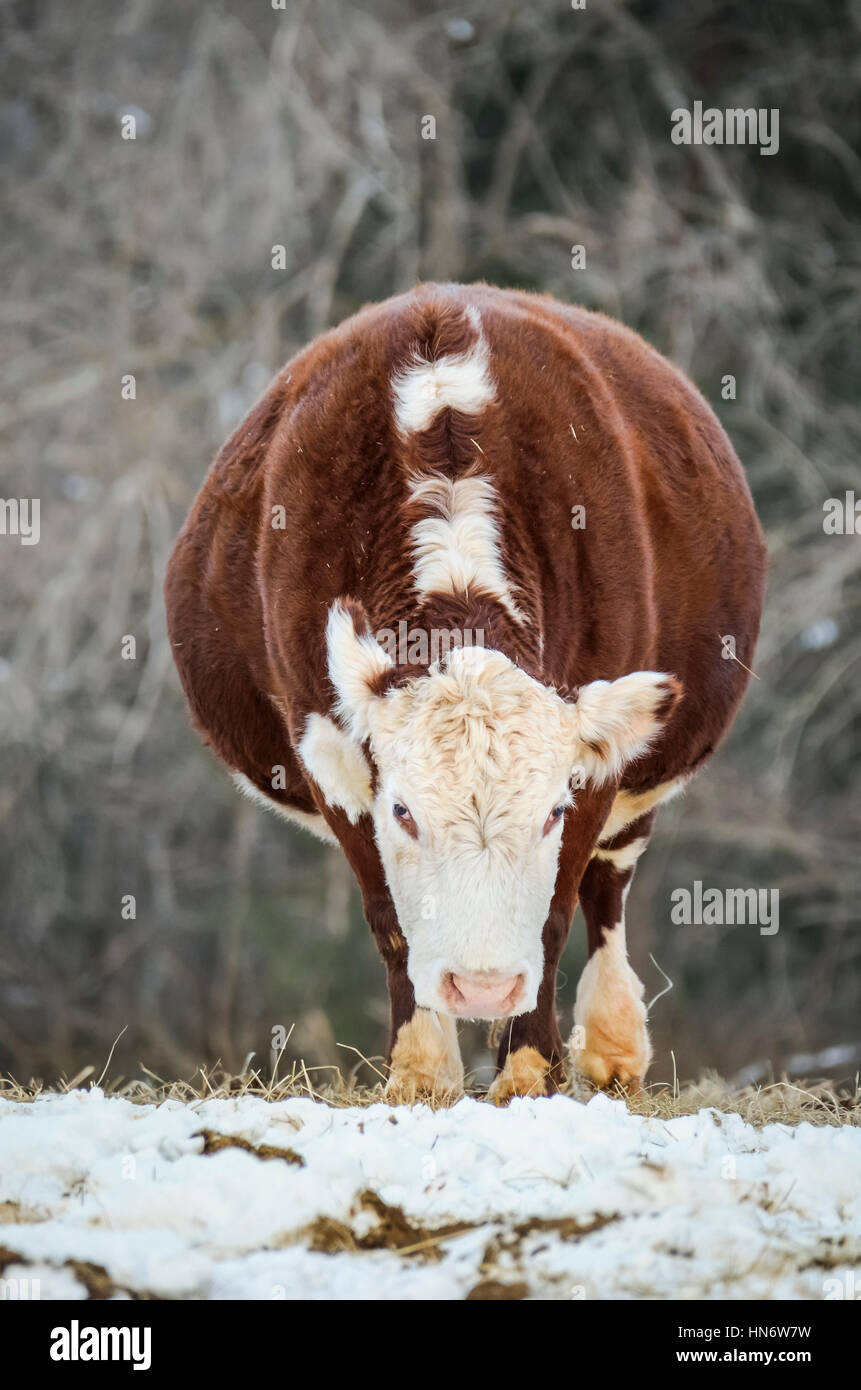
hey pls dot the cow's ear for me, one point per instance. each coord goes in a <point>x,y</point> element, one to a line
<point>615,721</point>
<point>357,665</point>
<point>337,764</point>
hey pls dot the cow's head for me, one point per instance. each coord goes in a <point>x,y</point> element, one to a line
<point>474,765</point>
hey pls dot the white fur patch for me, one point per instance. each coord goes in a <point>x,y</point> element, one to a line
<point>457,548</point>
<point>337,764</point>
<point>311,821</point>
<point>460,381</point>
<point>629,806</point>
<point>624,858</point>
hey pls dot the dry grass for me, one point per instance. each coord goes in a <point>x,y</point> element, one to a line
<point>817,1102</point>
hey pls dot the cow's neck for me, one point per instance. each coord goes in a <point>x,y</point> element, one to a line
<point>479,621</point>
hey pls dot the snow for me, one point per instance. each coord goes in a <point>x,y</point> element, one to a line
<point>702,1206</point>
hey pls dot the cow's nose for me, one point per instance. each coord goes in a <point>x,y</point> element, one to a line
<point>486,994</point>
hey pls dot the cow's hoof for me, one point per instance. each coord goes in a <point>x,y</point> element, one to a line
<point>610,1066</point>
<point>525,1073</point>
<point>408,1089</point>
<point>601,1078</point>
<point>426,1063</point>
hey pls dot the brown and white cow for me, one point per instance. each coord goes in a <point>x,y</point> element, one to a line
<point>483,464</point>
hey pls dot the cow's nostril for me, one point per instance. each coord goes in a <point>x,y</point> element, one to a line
<point>451,985</point>
<point>515,992</point>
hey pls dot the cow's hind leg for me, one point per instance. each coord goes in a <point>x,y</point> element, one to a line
<point>610,1042</point>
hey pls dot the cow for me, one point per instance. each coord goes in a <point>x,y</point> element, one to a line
<point>471,591</point>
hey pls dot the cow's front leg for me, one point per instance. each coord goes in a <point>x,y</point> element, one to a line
<point>425,1061</point>
<point>423,1053</point>
<point>529,1061</point>
<point>610,1042</point>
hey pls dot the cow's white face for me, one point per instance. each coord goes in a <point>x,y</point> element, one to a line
<point>474,769</point>
<point>473,783</point>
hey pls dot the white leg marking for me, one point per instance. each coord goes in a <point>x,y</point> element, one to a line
<point>610,1039</point>
<point>426,1059</point>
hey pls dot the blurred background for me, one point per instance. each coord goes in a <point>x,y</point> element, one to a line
<point>301,127</point>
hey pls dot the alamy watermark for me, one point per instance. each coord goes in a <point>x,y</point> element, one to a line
<point>842,515</point>
<point>19,1290</point>
<point>730,907</point>
<point>20,516</point>
<point>416,646</point>
<point>734,126</point>
<point>77,1343</point>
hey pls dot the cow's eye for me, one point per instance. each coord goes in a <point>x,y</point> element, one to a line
<point>554,818</point>
<point>403,817</point>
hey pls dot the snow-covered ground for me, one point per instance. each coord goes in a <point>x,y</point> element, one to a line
<point>551,1198</point>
